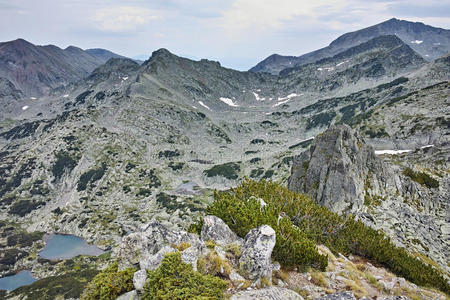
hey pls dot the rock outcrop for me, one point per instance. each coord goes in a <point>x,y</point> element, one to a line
<point>342,172</point>
<point>147,247</point>
<point>255,261</point>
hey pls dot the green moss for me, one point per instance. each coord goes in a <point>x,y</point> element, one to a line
<point>227,170</point>
<point>421,178</point>
<point>109,284</point>
<point>175,279</point>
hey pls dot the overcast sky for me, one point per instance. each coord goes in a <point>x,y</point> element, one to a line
<point>238,33</point>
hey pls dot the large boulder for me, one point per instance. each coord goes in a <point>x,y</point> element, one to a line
<point>255,261</point>
<point>147,247</point>
<point>338,296</point>
<point>270,293</point>
<point>216,230</point>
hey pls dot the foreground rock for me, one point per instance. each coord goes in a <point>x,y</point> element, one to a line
<point>255,261</point>
<point>147,248</point>
<point>216,230</point>
<point>270,293</point>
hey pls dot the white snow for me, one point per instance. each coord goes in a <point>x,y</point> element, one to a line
<point>194,106</point>
<point>125,78</point>
<point>33,98</point>
<point>228,101</point>
<point>66,95</point>
<point>25,107</point>
<point>426,146</point>
<point>436,44</point>
<point>258,98</point>
<point>327,69</point>
<point>204,105</point>
<point>341,63</point>
<point>416,42</point>
<point>282,100</point>
<point>391,152</point>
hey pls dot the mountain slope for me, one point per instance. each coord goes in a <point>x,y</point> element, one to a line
<point>35,70</point>
<point>428,41</point>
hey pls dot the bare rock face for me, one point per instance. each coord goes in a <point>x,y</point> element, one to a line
<point>336,168</point>
<point>216,230</point>
<point>270,293</point>
<point>139,279</point>
<point>147,247</point>
<point>255,261</point>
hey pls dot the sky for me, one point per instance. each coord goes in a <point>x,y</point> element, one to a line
<point>237,33</point>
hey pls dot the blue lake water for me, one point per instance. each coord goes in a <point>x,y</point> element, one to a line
<point>61,246</point>
<point>10,283</point>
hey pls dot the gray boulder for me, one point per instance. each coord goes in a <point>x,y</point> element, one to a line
<point>132,295</point>
<point>338,296</point>
<point>216,230</point>
<point>139,279</point>
<point>255,261</point>
<point>140,248</point>
<point>270,293</point>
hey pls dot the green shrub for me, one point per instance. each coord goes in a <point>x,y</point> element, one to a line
<point>242,212</point>
<point>91,176</point>
<point>23,207</point>
<point>175,279</point>
<point>63,162</point>
<point>109,284</point>
<point>68,285</point>
<point>340,234</point>
<point>228,170</point>
<point>421,178</point>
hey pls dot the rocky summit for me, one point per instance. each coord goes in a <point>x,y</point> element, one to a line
<point>323,176</point>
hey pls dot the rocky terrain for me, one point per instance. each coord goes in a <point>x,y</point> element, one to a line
<point>117,145</point>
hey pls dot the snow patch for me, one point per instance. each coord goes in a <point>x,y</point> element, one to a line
<point>125,78</point>
<point>341,63</point>
<point>204,105</point>
<point>33,98</point>
<point>391,152</point>
<point>228,101</point>
<point>25,107</point>
<point>66,95</point>
<point>326,69</point>
<point>426,146</point>
<point>282,100</point>
<point>416,42</point>
<point>257,97</point>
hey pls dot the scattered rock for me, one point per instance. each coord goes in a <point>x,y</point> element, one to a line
<point>216,230</point>
<point>338,296</point>
<point>270,293</point>
<point>139,279</point>
<point>256,253</point>
<point>132,295</point>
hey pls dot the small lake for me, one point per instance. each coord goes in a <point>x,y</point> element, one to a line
<point>65,246</point>
<point>10,283</point>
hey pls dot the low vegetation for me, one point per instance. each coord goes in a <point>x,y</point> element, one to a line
<point>229,171</point>
<point>175,279</point>
<point>109,284</point>
<point>242,211</point>
<point>421,178</point>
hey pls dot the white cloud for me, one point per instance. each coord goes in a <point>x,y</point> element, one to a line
<point>123,18</point>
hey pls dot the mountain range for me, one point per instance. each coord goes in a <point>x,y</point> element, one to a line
<point>95,144</point>
<point>429,42</point>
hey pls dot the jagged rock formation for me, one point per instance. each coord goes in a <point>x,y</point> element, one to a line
<point>342,172</point>
<point>215,229</point>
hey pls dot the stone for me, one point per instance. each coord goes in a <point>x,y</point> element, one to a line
<point>337,296</point>
<point>255,260</point>
<point>269,293</point>
<point>143,247</point>
<point>132,295</point>
<point>216,230</point>
<point>139,279</point>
